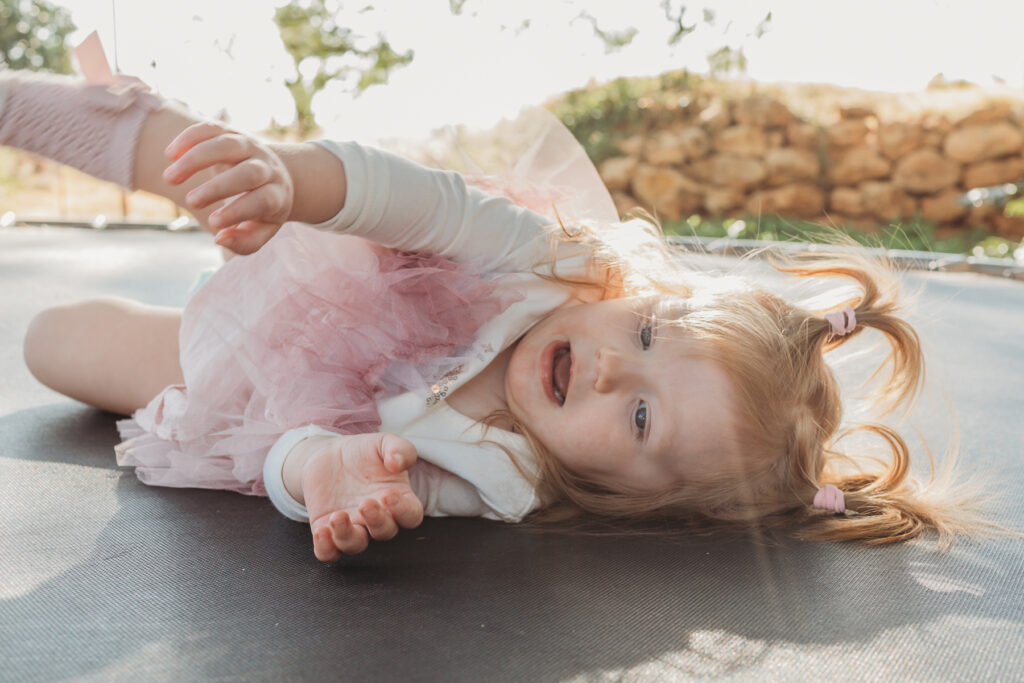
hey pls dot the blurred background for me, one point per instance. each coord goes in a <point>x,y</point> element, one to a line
<point>737,118</point>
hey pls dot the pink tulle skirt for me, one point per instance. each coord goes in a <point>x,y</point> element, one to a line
<point>311,329</point>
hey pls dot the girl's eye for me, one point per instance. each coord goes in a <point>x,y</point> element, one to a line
<point>647,334</point>
<point>640,417</point>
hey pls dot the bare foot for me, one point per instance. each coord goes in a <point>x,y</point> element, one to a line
<point>357,488</point>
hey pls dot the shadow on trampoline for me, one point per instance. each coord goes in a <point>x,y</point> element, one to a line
<point>168,580</point>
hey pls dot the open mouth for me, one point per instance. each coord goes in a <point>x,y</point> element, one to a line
<point>556,371</point>
<point>560,368</point>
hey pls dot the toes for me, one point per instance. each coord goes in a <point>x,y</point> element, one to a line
<point>405,508</point>
<point>349,538</point>
<point>379,522</point>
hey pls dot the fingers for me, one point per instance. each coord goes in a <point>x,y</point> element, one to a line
<point>338,535</point>
<point>246,237</point>
<point>349,538</point>
<point>225,148</point>
<point>192,136</point>
<point>379,522</point>
<point>323,545</point>
<point>247,179</point>
<point>247,175</point>
<point>265,202</point>
<point>397,453</point>
<point>405,508</point>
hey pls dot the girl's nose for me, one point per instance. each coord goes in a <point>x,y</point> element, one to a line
<point>612,370</point>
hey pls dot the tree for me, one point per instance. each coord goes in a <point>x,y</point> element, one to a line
<point>324,51</point>
<point>32,34</point>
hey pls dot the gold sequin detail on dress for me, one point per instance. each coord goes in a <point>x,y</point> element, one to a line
<point>439,390</point>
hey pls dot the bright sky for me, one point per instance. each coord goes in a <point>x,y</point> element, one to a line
<point>477,67</point>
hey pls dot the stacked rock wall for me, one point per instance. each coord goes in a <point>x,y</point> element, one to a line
<point>754,156</point>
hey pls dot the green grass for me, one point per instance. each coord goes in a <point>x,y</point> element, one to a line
<point>913,234</point>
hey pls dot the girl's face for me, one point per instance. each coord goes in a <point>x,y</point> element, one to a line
<point>621,399</point>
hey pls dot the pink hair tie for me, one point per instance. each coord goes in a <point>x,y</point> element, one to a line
<point>831,498</point>
<point>842,321</point>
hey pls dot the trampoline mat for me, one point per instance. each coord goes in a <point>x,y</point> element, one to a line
<point>103,578</point>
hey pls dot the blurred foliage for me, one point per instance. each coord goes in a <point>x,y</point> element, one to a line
<point>601,116</point>
<point>1015,207</point>
<point>313,37</point>
<point>913,234</point>
<point>676,16</point>
<point>726,59</point>
<point>32,34</point>
<point>613,40</point>
<point>995,246</point>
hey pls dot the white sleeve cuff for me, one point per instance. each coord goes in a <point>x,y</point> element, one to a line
<point>273,478</point>
<point>359,206</point>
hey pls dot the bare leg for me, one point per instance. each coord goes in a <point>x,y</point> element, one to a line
<point>113,354</point>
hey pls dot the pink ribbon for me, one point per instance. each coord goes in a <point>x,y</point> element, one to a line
<point>93,62</point>
<point>831,498</point>
<point>843,321</point>
<point>114,92</point>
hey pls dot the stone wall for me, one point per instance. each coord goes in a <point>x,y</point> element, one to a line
<point>753,156</point>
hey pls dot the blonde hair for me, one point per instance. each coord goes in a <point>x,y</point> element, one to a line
<point>788,407</point>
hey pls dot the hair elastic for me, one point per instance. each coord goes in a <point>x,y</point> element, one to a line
<point>831,498</point>
<point>843,321</point>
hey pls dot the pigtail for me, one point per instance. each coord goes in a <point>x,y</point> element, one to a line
<point>889,506</point>
<point>878,307</point>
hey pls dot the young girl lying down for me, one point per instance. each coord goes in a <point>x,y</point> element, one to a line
<point>397,342</point>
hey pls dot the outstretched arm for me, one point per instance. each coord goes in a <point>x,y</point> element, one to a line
<point>349,188</point>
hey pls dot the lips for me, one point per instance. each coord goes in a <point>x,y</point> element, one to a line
<point>556,371</point>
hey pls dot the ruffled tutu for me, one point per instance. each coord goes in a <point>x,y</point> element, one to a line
<point>311,329</point>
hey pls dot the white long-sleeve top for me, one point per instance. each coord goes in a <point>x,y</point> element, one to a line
<point>403,205</point>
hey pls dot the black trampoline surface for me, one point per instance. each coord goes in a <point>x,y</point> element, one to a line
<point>103,578</point>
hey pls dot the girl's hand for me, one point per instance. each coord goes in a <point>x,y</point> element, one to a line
<point>357,488</point>
<point>244,169</point>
